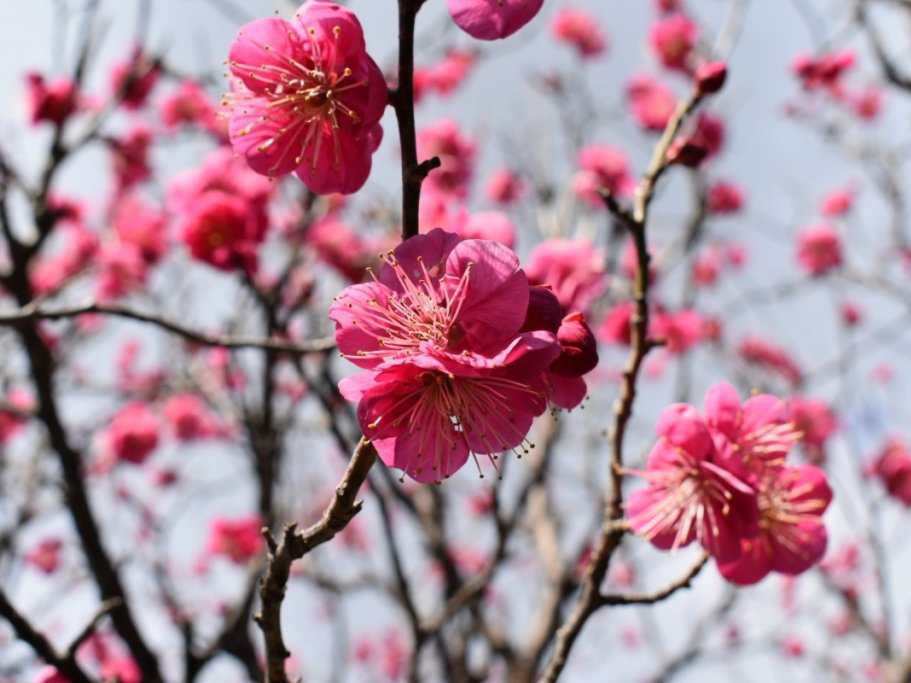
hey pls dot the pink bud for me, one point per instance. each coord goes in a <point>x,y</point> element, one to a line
<point>710,77</point>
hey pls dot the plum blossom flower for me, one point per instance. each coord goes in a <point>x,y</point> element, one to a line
<point>578,28</point>
<point>724,198</point>
<point>190,105</point>
<point>689,495</point>
<point>449,371</point>
<point>672,39</point>
<point>838,202</point>
<point>54,102</point>
<point>815,423</point>
<point>767,355</point>
<point>45,555</point>
<point>573,268</point>
<point>134,79</point>
<point>492,19</point>
<point>792,536</point>
<point>49,674</point>
<point>680,330</point>
<point>239,540</point>
<point>652,103</point>
<point>819,249</point>
<point>221,231</point>
<point>456,151</point>
<point>504,186</point>
<point>189,417</point>
<point>601,168</point>
<point>307,98</point>
<point>446,75</point>
<point>893,467</point>
<point>615,327</point>
<point>133,433</point>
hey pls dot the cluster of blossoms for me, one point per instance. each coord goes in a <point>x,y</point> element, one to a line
<point>722,479</point>
<point>461,353</point>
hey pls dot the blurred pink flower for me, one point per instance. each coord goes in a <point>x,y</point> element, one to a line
<point>456,152</point>
<point>54,102</point>
<point>133,433</point>
<point>492,19</point>
<point>672,39</point>
<point>578,28</point>
<point>505,186</point>
<point>239,539</point>
<point>652,103</point>
<point>819,249</point>
<point>601,167</point>
<point>724,198</point>
<point>573,268</point>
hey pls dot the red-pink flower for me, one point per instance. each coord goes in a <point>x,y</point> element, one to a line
<point>815,423</point>
<point>893,467</point>
<point>724,198</point>
<point>456,152</point>
<point>340,247</point>
<point>492,19</point>
<point>574,269</point>
<point>752,437</point>
<point>307,98</point>
<point>652,103</point>
<point>838,202</point>
<point>450,371</point>
<point>189,105</point>
<point>505,186</point>
<point>578,356</point>
<point>602,167</point>
<point>141,225</point>
<point>239,540</point>
<point>672,39</point>
<point>122,268</point>
<point>824,71</point>
<point>189,417</point>
<point>133,433</point>
<point>680,330</point>
<point>578,28</point>
<point>765,354</point>
<point>819,249</point>
<point>615,326</point>
<point>485,225</point>
<point>45,555</point>
<point>130,157</point>
<point>55,101</point>
<point>689,496</point>
<point>220,230</point>
<point>445,76</point>
<point>133,80</point>
<point>792,536</point>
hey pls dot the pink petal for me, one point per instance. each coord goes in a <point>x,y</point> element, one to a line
<point>259,53</point>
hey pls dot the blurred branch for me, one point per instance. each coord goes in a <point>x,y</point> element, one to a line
<point>650,598</point>
<point>64,663</point>
<point>889,68</point>
<point>34,311</point>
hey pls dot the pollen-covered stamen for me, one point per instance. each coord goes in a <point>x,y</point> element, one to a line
<point>772,439</point>
<point>310,91</point>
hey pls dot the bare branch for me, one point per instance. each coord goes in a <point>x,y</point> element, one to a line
<point>662,594</point>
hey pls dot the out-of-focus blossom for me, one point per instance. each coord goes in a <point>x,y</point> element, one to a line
<point>601,168</point>
<point>615,326</point>
<point>505,186</point>
<point>132,80</point>
<point>578,28</point>
<point>893,467</point>
<point>819,249</point>
<point>824,71</point>
<point>340,247</point>
<point>141,225</point>
<point>815,422</point>
<point>680,330</point>
<point>767,355</point>
<point>652,103</point>
<point>486,20</point>
<point>189,417</point>
<point>45,555</point>
<point>672,39</point>
<point>838,202</point>
<point>710,77</point>
<point>53,101</point>
<point>133,433</point>
<point>239,539</point>
<point>190,105</point>
<point>456,152</point>
<point>574,269</point>
<point>724,198</point>
<point>851,313</point>
<point>445,76</point>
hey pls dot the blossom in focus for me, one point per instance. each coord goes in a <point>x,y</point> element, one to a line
<point>573,268</point>
<point>133,433</point>
<point>239,540</point>
<point>689,495</point>
<point>492,19</point>
<point>672,39</point>
<point>307,98</point>
<point>578,28</point>
<point>602,168</point>
<point>450,373</point>
<point>819,249</point>
<point>444,139</point>
<point>52,101</point>
<point>792,535</point>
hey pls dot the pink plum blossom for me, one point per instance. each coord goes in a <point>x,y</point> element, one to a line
<point>133,433</point>
<point>652,103</point>
<point>48,674</point>
<point>680,330</point>
<point>190,105</point>
<point>615,326</point>
<point>239,540</point>
<point>838,202</point>
<point>492,19</point>
<point>893,467</point>
<point>724,198</point>
<point>449,371</point>
<point>189,417</point>
<point>573,268</point>
<point>765,354</point>
<point>45,555</point>
<point>307,98</point>
<point>578,28</point>
<point>505,186</point>
<point>819,249</point>
<point>792,535</point>
<point>601,168</point>
<point>815,423</point>
<point>672,39</point>
<point>132,81</point>
<point>221,231</point>
<point>455,150</point>
<point>445,76</point>
<point>689,495</point>
<point>54,102</point>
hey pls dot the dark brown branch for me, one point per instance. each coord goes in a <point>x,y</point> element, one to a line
<point>65,664</point>
<point>32,312</point>
<point>402,98</point>
<point>294,545</point>
<point>889,68</point>
<point>662,594</point>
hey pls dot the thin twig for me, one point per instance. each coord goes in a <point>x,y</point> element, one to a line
<point>662,594</point>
